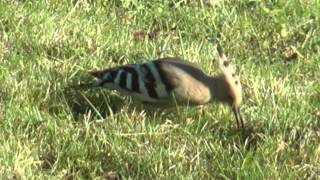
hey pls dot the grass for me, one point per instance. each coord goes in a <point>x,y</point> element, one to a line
<point>49,130</point>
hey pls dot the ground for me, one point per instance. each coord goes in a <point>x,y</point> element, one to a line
<point>52,129</point>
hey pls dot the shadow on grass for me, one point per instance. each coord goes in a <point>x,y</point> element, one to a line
<point>83,103</point>
<point>101,102</point>
<point>96,102</point>
<point>249,137</point>
<point>296,137</point>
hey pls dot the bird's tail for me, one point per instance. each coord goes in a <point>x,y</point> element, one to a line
<point>99,74</point>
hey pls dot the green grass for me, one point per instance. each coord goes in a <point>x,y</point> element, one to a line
<point>48,130</point>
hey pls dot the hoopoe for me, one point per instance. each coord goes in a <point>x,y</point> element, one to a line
<point>158,80</point>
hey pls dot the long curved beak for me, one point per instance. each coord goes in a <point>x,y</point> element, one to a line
<point>236,111</point>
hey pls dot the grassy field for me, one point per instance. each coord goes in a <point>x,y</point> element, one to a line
<point>50,130</point>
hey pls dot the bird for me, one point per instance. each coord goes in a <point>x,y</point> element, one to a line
<point>161,80</point>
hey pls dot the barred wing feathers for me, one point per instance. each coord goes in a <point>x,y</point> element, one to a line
<point>144,81</point>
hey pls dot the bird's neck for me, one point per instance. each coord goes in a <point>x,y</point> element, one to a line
<point>217,88</point>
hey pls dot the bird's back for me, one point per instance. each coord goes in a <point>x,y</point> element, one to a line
<point>190,83</point>
<point>157,81</point>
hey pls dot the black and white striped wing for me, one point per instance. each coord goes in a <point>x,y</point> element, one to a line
<point>144,81</point>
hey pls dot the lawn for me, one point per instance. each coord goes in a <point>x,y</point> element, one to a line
<point>51,129</point>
